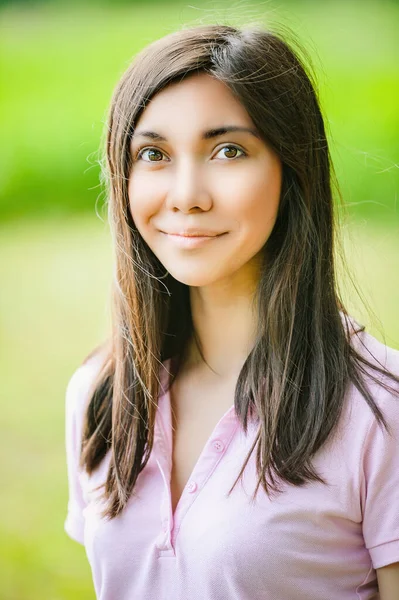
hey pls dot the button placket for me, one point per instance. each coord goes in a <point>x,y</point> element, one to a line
<point>206,465</point>
<point>218,445</point>
<point>203,469</point>
<point>192,487</point>
<point>163,542</point>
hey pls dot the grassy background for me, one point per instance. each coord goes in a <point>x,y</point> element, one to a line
<point>58,68</point>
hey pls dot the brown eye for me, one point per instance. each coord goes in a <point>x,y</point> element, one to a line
<point>231,151</point>
<point>152,154</point>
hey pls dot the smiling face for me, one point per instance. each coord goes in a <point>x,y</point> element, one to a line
<point>188,173</point>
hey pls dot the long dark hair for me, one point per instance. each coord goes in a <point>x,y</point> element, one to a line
<point>303,349</point>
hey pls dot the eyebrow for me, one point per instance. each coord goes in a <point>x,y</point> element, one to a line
<point>206,135</point>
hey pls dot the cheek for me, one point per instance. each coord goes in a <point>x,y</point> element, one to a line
<point>255,203</point>
<point>143,201</point>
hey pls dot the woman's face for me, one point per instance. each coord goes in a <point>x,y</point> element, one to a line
<point>189,174</point>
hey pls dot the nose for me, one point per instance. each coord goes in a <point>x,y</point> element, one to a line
<point>188,187</point>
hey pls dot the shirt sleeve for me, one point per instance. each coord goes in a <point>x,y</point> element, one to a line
<point>75,402</point>
<point>381,481</point>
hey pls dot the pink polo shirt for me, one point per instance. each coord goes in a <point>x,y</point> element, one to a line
<point>316,542</point>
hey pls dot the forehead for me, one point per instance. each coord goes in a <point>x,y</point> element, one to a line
<point>197,102</point>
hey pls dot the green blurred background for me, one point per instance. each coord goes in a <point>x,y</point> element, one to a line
<point>59,63</point>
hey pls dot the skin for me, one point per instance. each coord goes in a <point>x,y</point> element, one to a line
<point>187,181</point>
<point>388,582</point>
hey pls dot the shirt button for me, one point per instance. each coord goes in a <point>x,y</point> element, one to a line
<point>192,486</point>
<point>218,445</point>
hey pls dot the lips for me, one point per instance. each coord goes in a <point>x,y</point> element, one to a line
<point>197,233</point>
<point>192,241</point>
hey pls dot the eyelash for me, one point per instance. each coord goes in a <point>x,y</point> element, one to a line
<point>140,151</point>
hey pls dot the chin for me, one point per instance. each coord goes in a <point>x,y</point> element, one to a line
<point>193,279</point>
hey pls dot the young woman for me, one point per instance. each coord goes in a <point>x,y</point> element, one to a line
<point>237,437</point>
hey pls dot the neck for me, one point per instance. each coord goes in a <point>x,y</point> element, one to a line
<point>224,320</point>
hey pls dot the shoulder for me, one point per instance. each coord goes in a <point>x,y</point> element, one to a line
<point>360,429</point>
<point>80,383</point>
<point>382,356</point>
<point>371,349</point>
<point>377,352</point>
<point>358,426</point>
<point>373,452</point>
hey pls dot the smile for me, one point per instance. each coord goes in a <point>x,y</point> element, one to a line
<point>184,241</point>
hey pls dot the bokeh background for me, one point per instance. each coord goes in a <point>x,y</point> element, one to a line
<point>59,63</point>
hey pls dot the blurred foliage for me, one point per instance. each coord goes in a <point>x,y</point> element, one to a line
<point>60,63</point>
